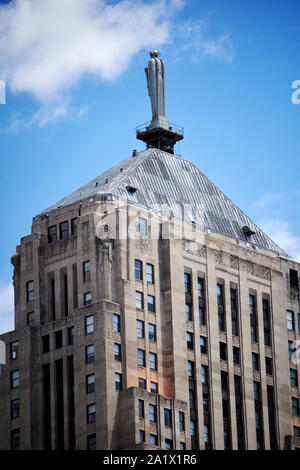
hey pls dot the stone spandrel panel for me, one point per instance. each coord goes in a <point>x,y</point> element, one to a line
<point>257,270</point>
<point>226,260</point>
<point>195,249</point>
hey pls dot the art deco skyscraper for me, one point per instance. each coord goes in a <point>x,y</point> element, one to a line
<point>151,312</point>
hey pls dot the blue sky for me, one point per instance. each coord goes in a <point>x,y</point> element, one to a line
<point>76,89</point>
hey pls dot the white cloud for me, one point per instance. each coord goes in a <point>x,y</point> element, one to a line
<point>6,308</point>
<point>271,199</point>
<point>195,39</point>
<point>280,231</point>
<point>46,46</point>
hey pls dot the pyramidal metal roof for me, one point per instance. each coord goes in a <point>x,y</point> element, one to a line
<point>167,182</point>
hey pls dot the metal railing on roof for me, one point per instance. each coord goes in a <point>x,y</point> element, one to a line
<point>169,127</point>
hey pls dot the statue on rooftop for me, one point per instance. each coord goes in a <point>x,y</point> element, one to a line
<point>155,73</point>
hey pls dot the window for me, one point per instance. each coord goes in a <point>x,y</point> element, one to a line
<point>141,358</point>
<point>64,230</point>
<point>30,291</point>
<point>191,369</point>
<point>221,321</point>
<point>153,361</point>
<point>298,319</point>
<point>236,355</point>
<point>200,288</point>
<point>192,399</point>
<point>234,312</point>
<point>87,298</point>
<point>153,439</point>
<point>168,417</point>
<point>189,340</point>
<point>91,442</point>
<point>223,351</point>
<point>294,378</point>
<point>296,431</point>
<point>52,234</point>
<point>202,319</point>
<point>89,354</point>
<point>168,444</point>
<point>152,413</point>
<point>138,269</point>
<point>205,405</point>
<point>117,322</point>
<point>193,428</point>
<point>253,318</point>
<point>117,350</point>
<point>295,406</point>
<point>74,226</point>
<point>255,361</point>
<point>89,324</point>
<point>187,283</point>
<point>14,350</point>
<point>141,409</point>
<point>91,413</point>
<point>30,318</point>
<point>153,387</point>
<point>15,408</point>
<point>220,295</point>
<point>269,365</point>
<point>15,439</point>
<point>118,381</point>
<point>181,421</point>
<point>152,332</point>
<point>90,383</point>
<point>139,300</point>
<point>150,273</point>
<point>151,303</point>
<point>58,339</point>
<point>203,345</point>
<point>182,446</point>
<point>86,271</point>
<point>292,349</point>
<point>142,436</point>
<point>45,344</point>
<point>267,322</point>
<point>140,328</point>
<point>71,335</point>
<point>142,226</point>
<point>15,379</point>
<point>206,434</point>
<point>142,383</point>
<point>290,320</point>
<point>188,312</point>
<point>204,374</point>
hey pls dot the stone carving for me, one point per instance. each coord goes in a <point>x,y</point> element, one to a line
<point>259,271</point>
<point>204,359</point>
<point>250,267</point>
<point>224,365</point>
<point>269,380</point>
<point>237,369</point>
<point>143,243</point>
<point>235,340</point>
<point>222,336</point>
<point>219,256</point>
<point>234,262</point>
<point>194,248</point>
<point>155,74</point>
<point>256,375</point>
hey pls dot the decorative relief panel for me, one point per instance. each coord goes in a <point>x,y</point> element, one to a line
<point>203,330</point>
<point>269,380</point>
<point>235,341</point>
<point>227,260</point>
<point>180,405</point>
<point>236,369</point>
<point>258,270</point>
<point>268,351</point>
<point>143,244</point>
<point>222,336</point>
<point>224,365</point>
<point>194,248</point>
<point>204,359</point>
<point>256,375</point>
<point>255,347</point>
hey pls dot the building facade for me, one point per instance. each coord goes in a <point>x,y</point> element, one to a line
<point>138,329</point>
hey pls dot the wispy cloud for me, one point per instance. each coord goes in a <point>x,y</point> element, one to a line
<point>194,38</point>
<point>281,232</point>
<point>6,308</point>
